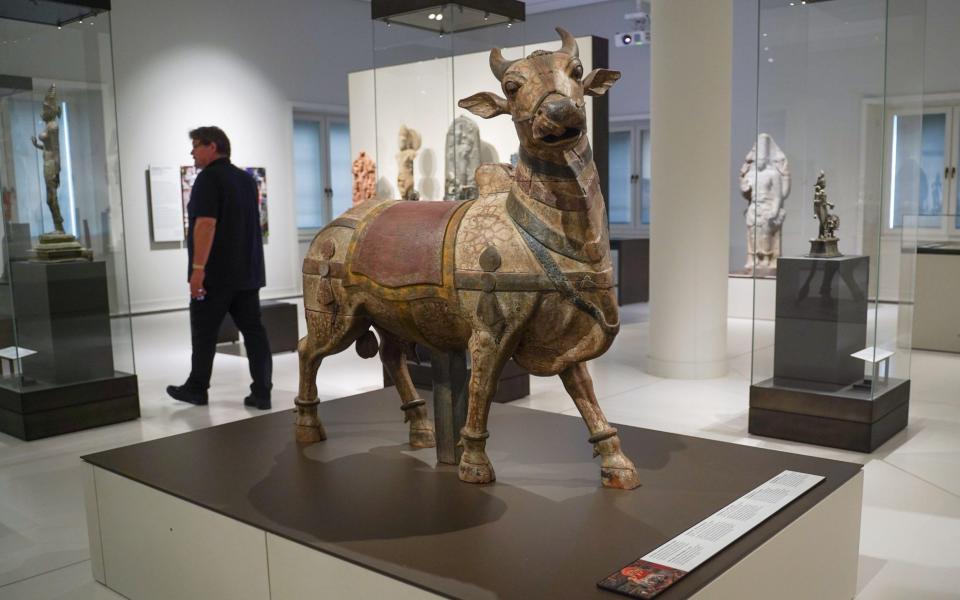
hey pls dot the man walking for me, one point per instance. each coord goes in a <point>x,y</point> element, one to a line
<point>225,249</point>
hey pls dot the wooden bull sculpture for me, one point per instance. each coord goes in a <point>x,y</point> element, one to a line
<point>523,271</point>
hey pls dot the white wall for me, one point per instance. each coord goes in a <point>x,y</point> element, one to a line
<point>238,65</point>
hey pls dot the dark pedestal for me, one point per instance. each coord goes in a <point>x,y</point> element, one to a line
<point>633,270</point>
<point>62,312</point>
<point>451,389</point>
<point>279,319</point>
<point>818,394</point>
<point>821,318</point>
<point>847,417</point>
<point>514,380</point>
<point>39,410</point>
<point>544,529</point>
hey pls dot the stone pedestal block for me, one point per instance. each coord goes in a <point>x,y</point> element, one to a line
<point>62,312</point>
<point>821,319</point>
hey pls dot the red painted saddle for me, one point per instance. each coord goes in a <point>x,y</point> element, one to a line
<point>404,244</point>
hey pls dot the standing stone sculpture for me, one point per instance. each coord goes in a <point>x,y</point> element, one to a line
<point>523,272</point>
<point>57,245</point>
<point>462,159</point>
<point>765,183</point>
<point>825,244</point>
<point>409,146</point>
<point>364,178</point>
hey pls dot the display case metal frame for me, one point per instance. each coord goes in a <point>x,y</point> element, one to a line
<point>66,323</point>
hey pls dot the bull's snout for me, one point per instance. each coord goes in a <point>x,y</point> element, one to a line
<point>559,121</point>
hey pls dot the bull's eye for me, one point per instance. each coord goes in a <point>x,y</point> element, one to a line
<point>511,87</point>
<point>577,72</point>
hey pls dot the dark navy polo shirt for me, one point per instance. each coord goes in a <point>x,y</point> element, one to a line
<point>229,195</point>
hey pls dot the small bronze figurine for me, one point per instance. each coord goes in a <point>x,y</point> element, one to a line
<point>57,245</point>
<point>825,244</point>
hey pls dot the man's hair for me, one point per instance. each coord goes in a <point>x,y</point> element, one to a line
<point>212,135</point>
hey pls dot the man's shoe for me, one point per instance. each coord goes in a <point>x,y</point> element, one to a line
<point>261,403</point>
<point>181,393</point>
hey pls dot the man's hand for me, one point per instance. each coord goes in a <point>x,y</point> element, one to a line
<point>196,284</point>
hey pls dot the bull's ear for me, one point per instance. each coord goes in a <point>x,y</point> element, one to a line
<point>598,81</point>
<point>485,104</point>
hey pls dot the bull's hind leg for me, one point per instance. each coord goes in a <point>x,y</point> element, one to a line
<point>616,470</point>
<point>414,408</point>
<point>326,334</point>
<point>309,428</point>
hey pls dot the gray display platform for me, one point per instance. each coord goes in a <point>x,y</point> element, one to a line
<point>241,511</point>
<point>818,393</point>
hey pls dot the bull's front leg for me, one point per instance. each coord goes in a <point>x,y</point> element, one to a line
<point>616,470</point>
<point>488,356</point>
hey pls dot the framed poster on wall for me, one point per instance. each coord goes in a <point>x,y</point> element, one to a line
<point>189,174</point>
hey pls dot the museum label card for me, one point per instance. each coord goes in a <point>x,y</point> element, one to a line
<point>651,574</point>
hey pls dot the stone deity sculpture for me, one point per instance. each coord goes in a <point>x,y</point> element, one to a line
<point>462,159</point>
<point>765,183</point>
<point>825,244</point>
<point>364,178</point>
<point>57,245</point>
<point>409,147</point>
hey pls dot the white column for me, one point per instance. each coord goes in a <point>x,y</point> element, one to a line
<point>690,88</point>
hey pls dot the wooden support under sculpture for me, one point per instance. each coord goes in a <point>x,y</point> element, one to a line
<point>523,271</point>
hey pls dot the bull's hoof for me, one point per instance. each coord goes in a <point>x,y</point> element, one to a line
<point>422,438</point>
<point>310,435</point>
<point>475,472</point>
<point>621,479</point>
<point>616,470</point>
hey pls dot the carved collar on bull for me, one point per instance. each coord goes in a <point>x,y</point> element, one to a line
<point>555,198</point>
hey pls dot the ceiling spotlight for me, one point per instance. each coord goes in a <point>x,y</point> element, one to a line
<point>486,16</point>
<point>439,16</point>
<point>627,39</point>
<point>431,16</point>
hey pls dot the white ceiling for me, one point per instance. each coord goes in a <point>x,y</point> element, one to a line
<point>539,6</point>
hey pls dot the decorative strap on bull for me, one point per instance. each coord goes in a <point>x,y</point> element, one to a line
<point>531,224</point>
<point>562,284</point>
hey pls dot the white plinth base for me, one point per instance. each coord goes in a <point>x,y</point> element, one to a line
<point>741,297</point>
<point>147,544</point>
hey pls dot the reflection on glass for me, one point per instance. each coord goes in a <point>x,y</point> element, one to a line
<point>620,172</point>
<point>645,177</point>
<point>340,167</point>
<point>918,186</point>
<point>308,180</point>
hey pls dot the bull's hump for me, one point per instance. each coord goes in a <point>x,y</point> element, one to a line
<point>494,178</point>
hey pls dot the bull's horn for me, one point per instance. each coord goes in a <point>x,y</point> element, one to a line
<point>569,43</point>
<point>498,64</point>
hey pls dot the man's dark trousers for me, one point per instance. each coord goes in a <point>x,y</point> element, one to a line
<point>205,318</point>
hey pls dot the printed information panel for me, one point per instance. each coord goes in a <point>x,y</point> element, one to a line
<point>651,574</point>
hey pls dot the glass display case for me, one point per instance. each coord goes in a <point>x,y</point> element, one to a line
<point>424,61</point>
<point>832,367</point>
<point>67,349</point>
